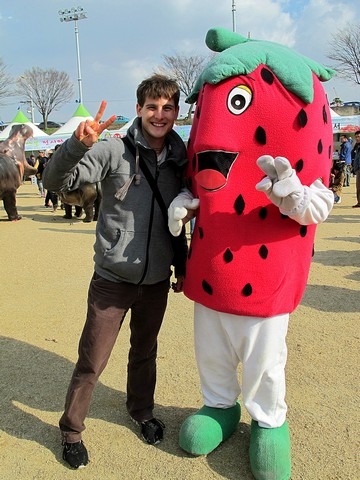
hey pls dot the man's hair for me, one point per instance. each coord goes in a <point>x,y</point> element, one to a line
<point>357,132</point>
<point>158,86</point>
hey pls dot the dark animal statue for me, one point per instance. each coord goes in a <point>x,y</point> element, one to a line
<point>87,196</point>
<point>13,167</point>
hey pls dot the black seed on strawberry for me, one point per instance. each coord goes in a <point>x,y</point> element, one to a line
<point>263,213</point>
<point>320,146</point>
<point>239,205</point>
<point>267,76</point>
<point>299,165</point>
<point>260,135</point>
<point>207,287</point>
<point>247,290</point>
<point>228,256</point>
<point>302,118</point>
<point>325,115</point>
<point>303,231</point>
<point>263,251</point>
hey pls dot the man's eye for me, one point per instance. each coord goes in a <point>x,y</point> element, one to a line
<point>239,99</point>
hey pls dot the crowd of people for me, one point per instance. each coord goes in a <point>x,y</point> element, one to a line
<point>346,165</point>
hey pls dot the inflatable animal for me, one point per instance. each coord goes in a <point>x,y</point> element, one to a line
<point>88,196</point>
<point>13,167</point>
<point>260,153</point>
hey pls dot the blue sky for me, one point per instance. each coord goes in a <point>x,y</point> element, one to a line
<point>122,41</point>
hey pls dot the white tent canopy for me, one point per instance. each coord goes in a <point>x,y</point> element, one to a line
<point>80,115</point>
<point>21,118</point>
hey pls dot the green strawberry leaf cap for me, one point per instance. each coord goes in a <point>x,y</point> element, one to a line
<point>239,55</point>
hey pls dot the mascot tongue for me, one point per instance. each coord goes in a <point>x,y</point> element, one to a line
<point>210,179</point>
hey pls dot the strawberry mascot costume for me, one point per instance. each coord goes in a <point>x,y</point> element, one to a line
<point>260,153</point>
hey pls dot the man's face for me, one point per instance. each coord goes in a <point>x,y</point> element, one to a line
<point>357,138</point>
<point>158,117</point>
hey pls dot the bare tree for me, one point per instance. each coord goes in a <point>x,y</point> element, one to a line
<point>47,89</point>
<point>345,52</point>
<point>6,82</point>
<point>185,70</point>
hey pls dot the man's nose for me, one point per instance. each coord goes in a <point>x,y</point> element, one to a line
<point>159,112</point>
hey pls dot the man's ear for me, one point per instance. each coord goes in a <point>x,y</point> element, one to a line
<point>138,110</point>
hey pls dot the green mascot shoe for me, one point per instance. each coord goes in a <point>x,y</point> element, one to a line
<point>203,431</point>
<point>270,452</point>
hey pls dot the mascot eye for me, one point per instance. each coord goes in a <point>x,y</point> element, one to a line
<point>239,99</point>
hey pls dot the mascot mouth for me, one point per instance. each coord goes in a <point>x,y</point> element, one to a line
<point>213,168</point>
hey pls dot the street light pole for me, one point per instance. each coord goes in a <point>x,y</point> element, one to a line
<point>234,15</point>
<point>73,15</point>
<point>31,111</point>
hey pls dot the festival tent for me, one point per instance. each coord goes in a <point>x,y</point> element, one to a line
<point>21,118</point>
<point>80,115</point>
<point>333,113</point>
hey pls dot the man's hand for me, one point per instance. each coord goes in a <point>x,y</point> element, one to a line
<point>181,210</point>
<point>281,184</point>
<point>88,132</point>
<point>178,285</point>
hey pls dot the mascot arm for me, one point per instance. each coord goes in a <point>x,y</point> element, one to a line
<point>181,210</point>
<point>319,201</point>
<point>305,205</point>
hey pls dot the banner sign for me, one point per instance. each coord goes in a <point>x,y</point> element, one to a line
<point>45,143</point>
<point>347,124</point>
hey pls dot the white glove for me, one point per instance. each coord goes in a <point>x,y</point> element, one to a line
<point>178,211</point>
<point>281,185</point>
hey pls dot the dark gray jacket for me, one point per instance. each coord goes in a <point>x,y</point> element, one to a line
<point>133,242</point>
<point>356,158</point>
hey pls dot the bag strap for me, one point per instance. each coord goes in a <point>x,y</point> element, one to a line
<point>179,243</point>
<point>149,178</point>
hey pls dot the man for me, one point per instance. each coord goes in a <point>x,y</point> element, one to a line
<point>345,157</point>
<point>133,251</point>
<point>40,165</point>
<point>355,154</point>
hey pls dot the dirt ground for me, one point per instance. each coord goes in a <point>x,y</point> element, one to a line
<point>46,265</point>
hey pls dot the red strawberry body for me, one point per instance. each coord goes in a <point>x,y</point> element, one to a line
<point>245,257</point>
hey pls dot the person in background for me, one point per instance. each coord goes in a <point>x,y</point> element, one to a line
<point>51,196</point>
<point>133,251</point>
<point>31,160</point>
<point>40,165</point>
<point>345,157</point>
<point>356,166</point>
<point>337,180</point>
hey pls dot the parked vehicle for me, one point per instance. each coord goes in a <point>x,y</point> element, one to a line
<point>351,104</point>
<point>121,119</point>
<point>50,124</point>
